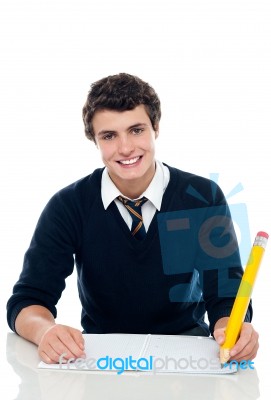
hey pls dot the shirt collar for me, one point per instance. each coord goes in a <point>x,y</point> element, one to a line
<point>154,191</point>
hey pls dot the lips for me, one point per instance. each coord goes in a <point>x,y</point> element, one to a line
<point>131,161</point>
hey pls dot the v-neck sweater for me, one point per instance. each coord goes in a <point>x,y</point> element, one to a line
<point>126,285</point>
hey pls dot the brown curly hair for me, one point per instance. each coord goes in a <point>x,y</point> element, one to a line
<point>120,92</point>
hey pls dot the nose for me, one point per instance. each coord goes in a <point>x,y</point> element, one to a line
<point>126,145</point>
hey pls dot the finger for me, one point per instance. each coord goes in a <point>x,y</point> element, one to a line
<point>49,355</point>
<point>245,356</point>
<point>45,358</point>
<point>247,345</point>
<point>57,353</point>
<point>70,345</point>
<point>58,341</point>
<point>219,335</point>
<point>249,352</point>
<point>78,338</point>
<point>242,342</point>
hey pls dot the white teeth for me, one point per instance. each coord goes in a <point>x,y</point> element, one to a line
<point>132,161</point>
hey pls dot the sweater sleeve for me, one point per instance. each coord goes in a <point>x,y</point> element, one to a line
<point>218,261</point>
<point>49,258</point>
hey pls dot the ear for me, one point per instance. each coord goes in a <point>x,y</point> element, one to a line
<point>156,131</point>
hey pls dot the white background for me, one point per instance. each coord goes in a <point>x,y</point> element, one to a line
<point>210,63</point>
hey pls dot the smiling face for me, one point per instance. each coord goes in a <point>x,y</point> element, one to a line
<point>126,140</point>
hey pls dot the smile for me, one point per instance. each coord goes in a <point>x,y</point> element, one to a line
<point>130,161</point>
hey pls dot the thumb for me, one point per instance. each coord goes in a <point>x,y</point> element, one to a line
<point>219,335</point>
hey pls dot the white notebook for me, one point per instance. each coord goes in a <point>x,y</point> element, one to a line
<point>152,353</point>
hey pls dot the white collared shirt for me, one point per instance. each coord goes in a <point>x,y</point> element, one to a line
<point>154,194</point>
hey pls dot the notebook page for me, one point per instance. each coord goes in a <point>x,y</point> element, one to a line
<point>185,354</point>
<point>156,353</point>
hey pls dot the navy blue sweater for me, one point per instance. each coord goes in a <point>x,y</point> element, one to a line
<point>126,285</point>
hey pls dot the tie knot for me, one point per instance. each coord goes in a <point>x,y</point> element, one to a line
<point>134,204</point>
<point>134,208</point>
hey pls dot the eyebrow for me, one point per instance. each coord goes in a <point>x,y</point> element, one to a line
<point>105,131</point>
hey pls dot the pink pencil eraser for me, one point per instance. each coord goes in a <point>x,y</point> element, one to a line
<point>263,234</point>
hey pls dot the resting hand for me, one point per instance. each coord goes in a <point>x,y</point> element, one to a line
<point>246,346</point>
<point>60,343</point>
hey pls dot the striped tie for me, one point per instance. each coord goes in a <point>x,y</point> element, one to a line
<point>134,208</point>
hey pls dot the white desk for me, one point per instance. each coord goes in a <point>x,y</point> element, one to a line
<point>22,380</point>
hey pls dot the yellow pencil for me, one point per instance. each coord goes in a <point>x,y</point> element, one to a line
<point>243,296</point>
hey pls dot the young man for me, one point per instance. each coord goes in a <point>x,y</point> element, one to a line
<point>134,275</point>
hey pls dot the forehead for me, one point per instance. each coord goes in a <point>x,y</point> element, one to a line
<point>114,120</point>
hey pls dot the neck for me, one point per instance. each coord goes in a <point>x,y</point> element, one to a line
<point>134,188</point>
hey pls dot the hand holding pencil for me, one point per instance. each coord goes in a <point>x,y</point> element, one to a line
<point>235,325</point>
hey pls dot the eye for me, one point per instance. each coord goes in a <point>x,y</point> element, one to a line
<point>108,136</point>
<point>137,131</point>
